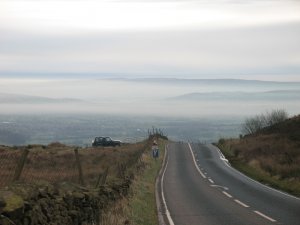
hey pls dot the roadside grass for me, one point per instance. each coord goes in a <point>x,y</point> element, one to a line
<point>265,169</point>
<point>291,187</point>
<point>142,205</point>
<point>117,214</point>
<point>139,208</point>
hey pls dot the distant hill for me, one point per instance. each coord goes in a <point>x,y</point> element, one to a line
<point>206,81</point>
<point>263,96</point>
<point>271,155</point>
<point>6,98</point>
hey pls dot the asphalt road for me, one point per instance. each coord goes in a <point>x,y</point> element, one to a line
<point>213,193</point>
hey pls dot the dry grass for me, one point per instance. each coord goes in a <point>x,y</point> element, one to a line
<point>116,214</point>
<point>143,204</point>
<point>276,155</point>
<point>56,162</point>
<point>139,208</point>
<point>271,156</point>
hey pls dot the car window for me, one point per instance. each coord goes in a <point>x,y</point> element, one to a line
<point>107,139</point>
<point>98,139</point>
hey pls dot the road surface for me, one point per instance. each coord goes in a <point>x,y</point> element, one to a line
<point>198,187</point>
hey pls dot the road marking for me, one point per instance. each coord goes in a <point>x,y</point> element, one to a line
<point>211,181</point>
<point>195,162</point>
<point>249,178</point>
<point>163,196</point>
<point>219,186</point>
<point>241,203</point>
<point>264,216</point>
<point>228,195</point>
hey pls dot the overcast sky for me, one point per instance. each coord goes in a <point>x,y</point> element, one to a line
<point>248,39</point>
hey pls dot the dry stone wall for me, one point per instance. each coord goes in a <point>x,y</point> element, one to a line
<point>64,203</point>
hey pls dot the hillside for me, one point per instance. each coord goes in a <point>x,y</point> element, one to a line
<point>289,129</point>
<point>7,98</point>
<point>277,95</point>
<point>271,156</point>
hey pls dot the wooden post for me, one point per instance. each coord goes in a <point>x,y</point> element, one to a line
<point>20,165</point>
<point>122,168</point>
<point>81,181</point>
<point>102,178</point>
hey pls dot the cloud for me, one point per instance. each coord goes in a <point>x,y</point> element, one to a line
<point>169,37</point>
<point>233,50</point>
<point>64,16</point>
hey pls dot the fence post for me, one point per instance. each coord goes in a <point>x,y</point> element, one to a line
<point>20,165</point>
<point>122,168</point>
<point>81,181</point>
<point>102,178</point>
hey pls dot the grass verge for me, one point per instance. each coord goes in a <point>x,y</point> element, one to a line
<point>290,186</point>
<point>142,204</point>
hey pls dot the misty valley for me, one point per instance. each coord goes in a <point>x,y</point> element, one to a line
<point>81,129</point>
<point>74,111</point>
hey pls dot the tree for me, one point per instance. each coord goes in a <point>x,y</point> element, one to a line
<point>258,122</point>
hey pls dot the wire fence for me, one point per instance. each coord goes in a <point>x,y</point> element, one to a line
<point>87,166</point>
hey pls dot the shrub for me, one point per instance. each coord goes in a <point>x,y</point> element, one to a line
<point>221,141</point>
<point>156,133</point>
<point>258,122</point>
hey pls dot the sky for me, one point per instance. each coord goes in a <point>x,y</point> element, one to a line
<point>243,39</point>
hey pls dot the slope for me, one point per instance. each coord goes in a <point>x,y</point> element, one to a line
<point>271,156</point>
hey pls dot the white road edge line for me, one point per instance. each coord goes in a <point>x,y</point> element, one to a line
<point>228,195</point>
<point>270,188</point>
<point>264,216</point>
<point>241,203</point>
<point>163,195</point>
<point>211,181</point>
<point>195,161</point>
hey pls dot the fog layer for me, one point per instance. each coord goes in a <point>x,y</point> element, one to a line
<point>157,97</point>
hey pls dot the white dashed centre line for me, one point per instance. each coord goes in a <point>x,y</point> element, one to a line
<point>211,181</point>
<point>241,203</point>
<point>228,195</point>
<point>264,216</point>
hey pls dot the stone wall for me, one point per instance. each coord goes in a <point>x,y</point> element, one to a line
<point>64,203</point>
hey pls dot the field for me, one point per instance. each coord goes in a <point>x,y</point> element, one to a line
<point>80,130</point>
<point>57,162</point>
<point>119,180</point>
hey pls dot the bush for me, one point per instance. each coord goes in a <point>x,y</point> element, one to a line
<point>258,122</point>
<point>156,133</point>
<point>221,141</point>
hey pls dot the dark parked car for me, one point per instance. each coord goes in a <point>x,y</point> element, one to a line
<point>105,141</point>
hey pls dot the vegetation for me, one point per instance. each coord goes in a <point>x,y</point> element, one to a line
<point>156,133</point>
<point>140,206</point>
<point>143,204</point>
<point>270,155</point>
<point>258,122</point>
<point>56,162</point>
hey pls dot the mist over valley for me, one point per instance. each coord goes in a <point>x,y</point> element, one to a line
<point>74,111</point>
